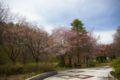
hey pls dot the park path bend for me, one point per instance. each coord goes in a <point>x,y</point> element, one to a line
<point>96,73</point>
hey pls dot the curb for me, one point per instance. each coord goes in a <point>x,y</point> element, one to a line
<point>112,76</point>
<point>42,76</point>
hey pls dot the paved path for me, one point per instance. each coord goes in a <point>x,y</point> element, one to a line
<point>96,73</point>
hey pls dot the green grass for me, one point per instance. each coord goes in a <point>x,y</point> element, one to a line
<point>97,64</point>
<point>25,71</point>
<point>28,70</point>
<point>115,75</point>
<point>83,66</point>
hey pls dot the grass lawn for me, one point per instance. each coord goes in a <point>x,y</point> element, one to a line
<point>31,66</point>
<point>28,70</point>
<point>115,75</point>
<point>83,66</point>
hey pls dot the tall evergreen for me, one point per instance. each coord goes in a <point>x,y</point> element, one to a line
<point>78,27</point>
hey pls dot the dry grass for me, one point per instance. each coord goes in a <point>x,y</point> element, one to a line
<point>19,76</point>
<point>15,77</point>
<point>26,71</point>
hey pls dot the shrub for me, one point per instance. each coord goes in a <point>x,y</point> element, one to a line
<point>2,69</point>
<point>61,63</point>
<point>46,67</point>
<point>101,58</point>
<point>29,68</point>
<point>9,69</point>
<point>13,69</point>
<point>116,65</point>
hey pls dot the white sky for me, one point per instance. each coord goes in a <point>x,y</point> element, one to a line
<point>106,37</point>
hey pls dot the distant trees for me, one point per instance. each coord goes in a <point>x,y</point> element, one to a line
<point>116,36</point>
<point>102,56</point>
<point>116,42</point>
<point>25,38</point>
<point>18,38</point>
<point>65,41</point>
<point>112,51</point>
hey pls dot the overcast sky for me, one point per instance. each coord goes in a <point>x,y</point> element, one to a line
<point>102,15</point>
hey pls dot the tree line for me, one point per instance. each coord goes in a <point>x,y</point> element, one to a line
<point>24,37</point>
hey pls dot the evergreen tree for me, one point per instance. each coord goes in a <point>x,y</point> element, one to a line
<point>78,27</point>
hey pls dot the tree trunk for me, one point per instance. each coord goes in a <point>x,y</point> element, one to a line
<point>70,60</point>
<point>84,60</point>
<point>87,58</point>
<point>24,60</point>
<point>46,59</point>
<point>36,63</point>
<point>13,61</point>
<point>63,62</point>
<point>110,58</point>
<point>24,57</point>
<point>78,58</point>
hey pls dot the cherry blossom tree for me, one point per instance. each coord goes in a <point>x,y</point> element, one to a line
<point>36,41</point>
<point>5,17</point>
<point>11,42</point>
<point>60,45</point>
<point>89,44</point>
<point>71,40</point>
<point>111,51</point>
<point>5,13</point>
<point>24,52</point>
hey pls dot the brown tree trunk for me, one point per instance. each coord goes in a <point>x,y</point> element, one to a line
<point>63,62</point>
<point>24,59</point>
<point>13,62</point>
<point>87,58</point>
<point>36,63</point>
<point>70,60</point>
<point>46,59</point>
<point>78,58</point>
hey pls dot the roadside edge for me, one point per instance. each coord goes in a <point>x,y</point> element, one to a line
<point>42,76</point>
